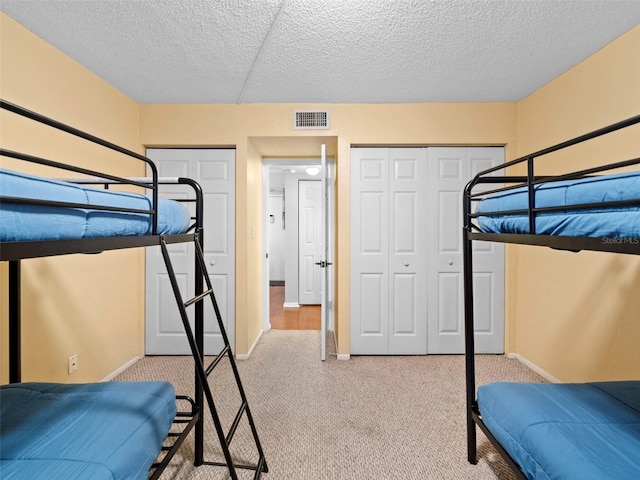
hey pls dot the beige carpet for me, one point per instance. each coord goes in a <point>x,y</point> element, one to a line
<point>367,418</point>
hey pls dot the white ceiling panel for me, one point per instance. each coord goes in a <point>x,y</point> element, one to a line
<point>333,51</point>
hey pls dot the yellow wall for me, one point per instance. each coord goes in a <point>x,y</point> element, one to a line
<point>90,305</point>
<point>576,315</point>
<point>357,124</point>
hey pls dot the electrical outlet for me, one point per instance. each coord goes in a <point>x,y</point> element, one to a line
<point>72,363</point>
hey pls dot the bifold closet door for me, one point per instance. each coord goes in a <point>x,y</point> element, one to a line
<point>450,168</point>
<point>406,253</point>
<point>214,169</point>
<point>388,251</point>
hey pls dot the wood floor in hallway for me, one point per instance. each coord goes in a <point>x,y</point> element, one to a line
<point>305,317</point>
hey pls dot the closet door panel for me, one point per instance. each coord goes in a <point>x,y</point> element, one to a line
<point>372,304</point>
<point>214,170</point>
<point>488,269</point>
<point>407,251</point>
<point>369,252</point>
<point>450,170</point>
<point>449,313</point>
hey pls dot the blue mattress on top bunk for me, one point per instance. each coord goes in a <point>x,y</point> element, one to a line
<point>22,222</point>
<point>613,222</point>
<point>110,431</point>
<point>585,431</point>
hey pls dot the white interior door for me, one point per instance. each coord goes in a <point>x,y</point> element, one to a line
<point>310,242</point>
<point>331,248</point>
<point>450,169</point>
<point>214,169</point>
<point>325,263</point>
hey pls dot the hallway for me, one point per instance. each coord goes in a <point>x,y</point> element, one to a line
<point>306,317</point>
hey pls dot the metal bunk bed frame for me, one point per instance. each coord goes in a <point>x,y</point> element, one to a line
<point>14,252</point>
<point>471,232</point>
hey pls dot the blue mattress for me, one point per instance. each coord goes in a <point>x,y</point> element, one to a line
<point>111,430</point>
<point>34,222</point>
<point>619,222</point>
<point>567,431</point>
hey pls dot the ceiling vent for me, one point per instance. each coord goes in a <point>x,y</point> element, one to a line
<point>311,120</point>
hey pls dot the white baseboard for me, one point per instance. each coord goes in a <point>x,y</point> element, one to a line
<point>118,371</point>
<point>543,373</point>
<point>291,305</point>
<point>245,356</point>
<point>335,342</point>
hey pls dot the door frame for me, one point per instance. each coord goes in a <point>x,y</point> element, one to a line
<point>293,162</point>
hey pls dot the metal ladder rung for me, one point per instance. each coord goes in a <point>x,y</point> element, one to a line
<point>236,422</point>
<point>190,302</point>
<point>216,360</point>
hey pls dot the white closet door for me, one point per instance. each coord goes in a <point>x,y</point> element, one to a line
<point>407,251</point>
<point>369,251</point>
<point>450,168</point>
<point>214,169</point>
<point>389,305</point>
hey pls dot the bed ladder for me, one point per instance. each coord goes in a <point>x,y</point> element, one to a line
<point>202,372</point>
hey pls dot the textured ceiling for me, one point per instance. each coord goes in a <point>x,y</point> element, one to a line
<point>334,51</point>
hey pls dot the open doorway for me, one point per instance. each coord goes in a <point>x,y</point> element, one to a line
<point>292,153</point>
<point>293,279</point>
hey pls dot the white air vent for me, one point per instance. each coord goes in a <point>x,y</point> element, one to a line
<point>311,120</point>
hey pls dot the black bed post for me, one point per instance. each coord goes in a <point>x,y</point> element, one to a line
<point>468,326</point>
<point>199,337</point>
<point>15,343</point>
<point>198,396</point>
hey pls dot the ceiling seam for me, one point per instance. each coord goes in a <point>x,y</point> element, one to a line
<point>255,60</point>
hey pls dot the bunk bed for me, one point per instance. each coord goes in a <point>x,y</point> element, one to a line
<point>110,430</point>
<point>554,430</point>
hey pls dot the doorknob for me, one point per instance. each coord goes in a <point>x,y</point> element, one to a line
<point>450,262</point>
<point>406,264</point>
<point>212,263</point>
<point>323,264</point>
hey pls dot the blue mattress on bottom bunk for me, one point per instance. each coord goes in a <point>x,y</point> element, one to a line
<point>21,222</point>
<point>585,431</point>
<point>111,430</point>
<point>618,222</point>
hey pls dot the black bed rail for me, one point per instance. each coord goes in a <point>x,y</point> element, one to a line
<point>24,112</point>
<point>16,251</point>
<point>530,181</point>
<point>185,420</point>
